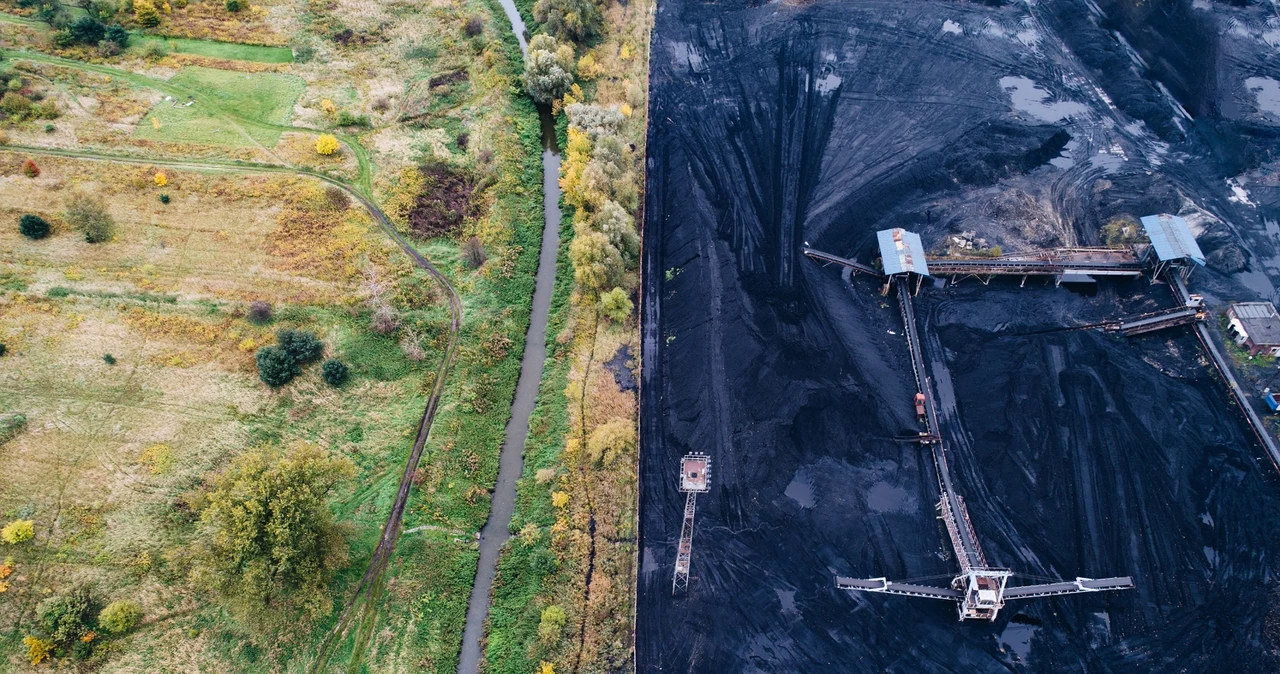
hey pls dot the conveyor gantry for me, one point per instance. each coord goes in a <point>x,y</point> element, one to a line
<point>1056,262</point>
<point>980,590</point>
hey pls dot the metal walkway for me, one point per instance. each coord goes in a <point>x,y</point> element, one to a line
<point>836,259</point>
<point>1056,262</point>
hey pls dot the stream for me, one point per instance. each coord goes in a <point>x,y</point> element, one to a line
<point>496,530</point>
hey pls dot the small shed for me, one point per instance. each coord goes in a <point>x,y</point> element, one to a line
<point>1255,326</point>
<point>1173,242</point>
<point>901,252</point>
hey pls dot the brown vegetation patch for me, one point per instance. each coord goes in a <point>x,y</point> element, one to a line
<point>443,203</point>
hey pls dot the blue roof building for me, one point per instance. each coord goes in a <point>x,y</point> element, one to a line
<point>1172,239</point>
<point>901,252</point>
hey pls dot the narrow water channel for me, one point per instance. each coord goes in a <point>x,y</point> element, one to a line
<point>497,530</point>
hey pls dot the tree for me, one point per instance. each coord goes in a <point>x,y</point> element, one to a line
<point>547,69</point>
<point>120,616</point>
<point>145,13</point>
<point>616,305</point>
<point>260,311</point>
<point>335,372</point>
<point>90,216</point>
<point>614,222</point>
<point>275,367</point>
<point>302,345</point>
<point>271,541</point>
<point>29,168</point>
<point>577,20</point>
<point>160,179</point>
<point>551,624</point>
<point>33,226</point>
<point>117,34</point>
<point>66,618</point>
<point>611,440</point>
<point>327,144</point>
<point>234,6</point>
<point>87,30</point>
<point>596,263</point>
<point>18,531</point>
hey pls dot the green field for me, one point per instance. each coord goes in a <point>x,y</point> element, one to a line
<point>266,98</point>
<point>231,51</point>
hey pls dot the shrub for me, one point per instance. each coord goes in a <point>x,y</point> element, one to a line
<point>108,359</point>
<point>596,263</point>
<point>385,320</point>
<point>547,69</point>
<point>347,119</point>
<point>301,345</point>
<point>552,624</point>
<point>164,198</point>
<point>616,305</point>
<point>161,179</point>
<point>145,13</point>
<point>120,616</point>
<point>38,650</point>
<point>16,106</point>
<point>33,226</point>
<point>260,312</point>
<point>87,30</point>
<point>3,349</point>
<point>327,144</point>
<point>611,440</point>
<point>117,34</point>
<point>473,253</point>
<point>474,26</point>
<point>29,168</point>
<point>18,531</point>
<point>577,20</point>
<point>275,367</point>
<point>335,372</point>
<point>90,216</point>
<point>234,6</point>
<point>58,291</point>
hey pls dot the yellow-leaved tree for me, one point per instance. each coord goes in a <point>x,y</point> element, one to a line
<point>161,179</point>
<point>327,144</point>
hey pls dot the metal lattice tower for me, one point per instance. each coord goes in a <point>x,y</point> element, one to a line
<point>693,481</point>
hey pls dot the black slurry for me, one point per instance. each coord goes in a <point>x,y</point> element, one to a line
<point>1078,453</point>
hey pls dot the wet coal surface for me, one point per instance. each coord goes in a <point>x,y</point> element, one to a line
<point>1078,453</point>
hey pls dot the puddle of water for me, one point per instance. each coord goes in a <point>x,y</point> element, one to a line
<point>1267,91</point>
<point>801,489</point>
<point>788,600</point>
<point>828,83</point>
<point>1016,637</point>
<point>1031,99</point>
<point>952,27</point>
<point>883,497</point>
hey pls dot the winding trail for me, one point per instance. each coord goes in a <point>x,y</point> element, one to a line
<point>497,530</point>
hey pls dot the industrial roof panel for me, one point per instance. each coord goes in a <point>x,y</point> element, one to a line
<point>1260,320</point>
<point>1172,238</point>
<point>901,252</point>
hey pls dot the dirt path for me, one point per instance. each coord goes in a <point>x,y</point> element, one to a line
<point>496,530</point>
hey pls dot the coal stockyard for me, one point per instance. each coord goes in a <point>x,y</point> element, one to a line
<point>1093,428</point>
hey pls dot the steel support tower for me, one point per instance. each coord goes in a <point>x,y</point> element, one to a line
<point>693,481</point>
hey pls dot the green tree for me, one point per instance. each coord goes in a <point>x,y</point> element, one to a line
<point>66,618</point>
<point>616,305</point>
<point>615,222</point>
<point>33,226</point>
<point>302,346</point>
<point>275,367</point>
<point>335,372</point>
<point>87,30</point>
<point>548,69</point>
<point>270,541</point>
<point>90,216</point>
<point>611,440</point>
<point>120,616</point>
<point>577,20</point>
<point>596,263</point>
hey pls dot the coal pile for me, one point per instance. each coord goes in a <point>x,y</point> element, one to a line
<point>1078,453</point>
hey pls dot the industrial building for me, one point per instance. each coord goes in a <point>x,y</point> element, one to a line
<point>1255,326</point>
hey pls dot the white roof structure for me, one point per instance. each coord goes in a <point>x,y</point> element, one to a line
<point>901,252</point>
<point>1172,238</point>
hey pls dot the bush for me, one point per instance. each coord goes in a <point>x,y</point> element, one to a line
<point>3,349</point>
<point>38,650</point>
<point>29,168</point>
<point>547,69</point>
<point>474,26</point>
<point>33,226</point>
<point>87,30</point>
<point>611,440</point>
<point>275,367</point>
<point>577,20</point>
<point>119,616</point>
<point>160,179</point>
<point>164,198</point>
<point>145,13</point>
<point>108,359</point>
<point>335,372</point>
<point>18,531</point>
<point>616,305</point>
<point>260,312</point>
<point>552,624</point>
<point>385,320</point>
<point>473,253</point>
<point>327,144</point>
<point>302,346</point>
<point>117,34</point>
<point>347,119</point>
<point>89,216</point>
<point>596,263</point>
<point>234,6</point>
